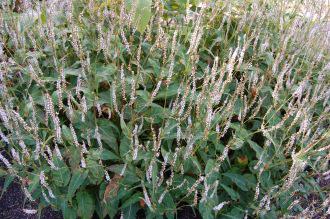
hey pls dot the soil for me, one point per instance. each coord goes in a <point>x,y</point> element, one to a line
<point>187,213</point>
<point>12,205</point>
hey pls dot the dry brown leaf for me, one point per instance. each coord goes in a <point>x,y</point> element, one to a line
<point>112,188</point>
<point>142,203</point>
<point>106,110</point>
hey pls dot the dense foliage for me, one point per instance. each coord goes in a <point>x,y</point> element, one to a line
<point>119,106</point>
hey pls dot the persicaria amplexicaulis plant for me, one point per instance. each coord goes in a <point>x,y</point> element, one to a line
<point>114,107</point>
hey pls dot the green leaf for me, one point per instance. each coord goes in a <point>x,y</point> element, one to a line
<point>124,127</point>
<point>124,147</point>
<point>72,71</point>
<point>35,182</point>
<point>66,133</point>
<point>206,210</point>
<point>256,148</point>
<point>266,180</point>
<point>196,164</point>
<point>86,204</point>
<point>169,92</point>
<point>241,132</point>
<point>238,180</point>
<point>144,95</point>
<point>154,175</point>
<point>158,112</point>
<point>9,179</point>
<point>74,157</point>
<point>233,195</point>
<point>192,166</point>
<point>109,133</point>
<point>95,169</point>
<point>76,181</point>
<point>61,177</point>
<point>130,211</point>
<point>3,172</point>
<point>68,213</point>
<point>236,213</point>
<point>170,206</point>
<point>43,16</point>
<point>104,72</point>
<point>154,67</point>
<point>236,143</point>
<point>112,207</point>
<point>269,59</point>
<point>210,165</point>
<point>133,199</point>
<point>142,13</point>
<point>273,117</point>
<point>109,155</point>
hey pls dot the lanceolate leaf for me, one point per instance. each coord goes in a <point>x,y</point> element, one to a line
<point>68,212</point>
<point>205,102</point>
<point>256,148</point>
<point>233,195</point>
<point>142,14</point>
<point>130,211</point>
<point>133,199</point>
<point>238,180</point>
<point>86,204</point>
<point>76,181</point>
<point>61,177</point>
<point>108,155</point>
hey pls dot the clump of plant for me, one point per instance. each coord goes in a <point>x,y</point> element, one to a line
<point>114,107</point>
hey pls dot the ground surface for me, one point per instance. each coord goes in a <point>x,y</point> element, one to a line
<point>12,205</point>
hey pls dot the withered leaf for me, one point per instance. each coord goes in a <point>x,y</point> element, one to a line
<point>112,188</point>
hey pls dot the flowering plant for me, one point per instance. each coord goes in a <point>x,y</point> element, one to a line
<point>115,107</point>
